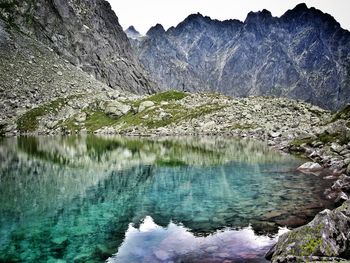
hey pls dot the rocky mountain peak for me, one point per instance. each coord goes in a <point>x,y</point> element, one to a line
<point>260,15</point>
<point>132,33</point>
<point>156,31</point>
<point>304,54</point>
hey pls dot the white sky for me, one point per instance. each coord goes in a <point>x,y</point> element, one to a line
<point>144,14</point>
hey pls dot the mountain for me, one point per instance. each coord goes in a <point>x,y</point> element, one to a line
<point>86,33</point>
<point>304,54</point>
<point>132,33</point>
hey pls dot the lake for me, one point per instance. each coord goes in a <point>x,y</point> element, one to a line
<point>124,199</point>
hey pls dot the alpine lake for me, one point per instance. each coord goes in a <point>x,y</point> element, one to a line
<point>167,199</point>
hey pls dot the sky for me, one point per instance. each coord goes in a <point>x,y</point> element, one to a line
<point>144,14</point>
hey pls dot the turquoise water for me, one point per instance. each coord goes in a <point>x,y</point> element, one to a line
<point>92,199</point>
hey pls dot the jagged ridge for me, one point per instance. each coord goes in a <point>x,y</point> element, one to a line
<point>304,54</point>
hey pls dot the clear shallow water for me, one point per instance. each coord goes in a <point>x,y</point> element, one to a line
<point>89,199</point>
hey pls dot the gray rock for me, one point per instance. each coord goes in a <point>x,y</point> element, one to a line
<point>310,167</point>
<point>326,237</point>
<point>116,109</point>
<point>81,117</point>
<point>275,134</point>
<point>145,104</point>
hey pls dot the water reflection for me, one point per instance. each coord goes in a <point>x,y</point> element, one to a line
<point>175,243</point>
<point>73,198</point>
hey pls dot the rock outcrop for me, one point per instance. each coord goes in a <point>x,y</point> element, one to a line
<point>85,33</point>
<point>325,238</point>
<point>304,54</point>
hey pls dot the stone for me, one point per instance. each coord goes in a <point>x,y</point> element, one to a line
<point>326,236</point>
<point>81,117</point>
<point>116,109</point>
<point>145,104</point>
<point>59,73</point>
<point>335,147</point>
<point>275,134</point>
<point>165,115</point>
<point>310,167</point>
<point>348,170</point>
<point>343,183</point>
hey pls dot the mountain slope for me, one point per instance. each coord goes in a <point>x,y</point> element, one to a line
<point>304,54</point>
<point>86,33</point>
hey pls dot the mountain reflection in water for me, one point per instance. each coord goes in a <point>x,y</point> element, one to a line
<point>83,198</point>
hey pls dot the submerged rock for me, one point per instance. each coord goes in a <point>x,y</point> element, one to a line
<point>325,238</point>
<point>309,167</point>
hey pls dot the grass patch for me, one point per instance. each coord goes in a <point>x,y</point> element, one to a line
<point>343,114</point>
<point>30,146</point>
<point>96,120</point>
<point>324,138</point>
<point>170,163</point>
<point>240,126</point>
<point>167,96</point>
<point>29,122</point>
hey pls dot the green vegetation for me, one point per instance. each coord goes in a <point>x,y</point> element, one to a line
<point>29,122</point>
<point>240,126</point>
<point>8,4</point>
<point>149,118</point>
<point>343,114</point>
<point>167,96</point>
<point>170,163</point>
<point>325,138</point>
<point>30,146</point>
<point>311,247</point>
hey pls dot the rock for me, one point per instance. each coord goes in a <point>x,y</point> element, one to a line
<point>145,104</point>
<point>310,167</point>
<point>81,117</point>
<point>275,134</point>
<point>116,109</point>
<point>59,73</point>
<point>208,125</point>
<point>165,115</point>
<point>326,236</point>
<point>335,147</point>
<point>348,170</point>
<point>51,124</point>
<point>347,161</point>
<point>343,183</point>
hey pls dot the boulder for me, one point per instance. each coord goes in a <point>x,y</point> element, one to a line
<point>145,105</point>
<point>325,237</point>
<point>81,117</point>
<point>310,167</point>
<point>275,134</point>
<point>116,109</point>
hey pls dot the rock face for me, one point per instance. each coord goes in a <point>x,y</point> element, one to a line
<point>304,54</point>
<point>86,33</point>
<point>323,239</point>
